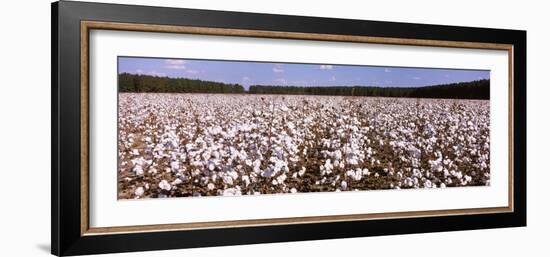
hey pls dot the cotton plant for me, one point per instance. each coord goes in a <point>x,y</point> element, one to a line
<point>227,145</point>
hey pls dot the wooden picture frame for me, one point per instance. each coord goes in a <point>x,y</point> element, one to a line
<point>71,26</point>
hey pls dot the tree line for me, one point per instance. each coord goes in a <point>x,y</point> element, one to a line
<point>135,83</point>
<point>478,89</point>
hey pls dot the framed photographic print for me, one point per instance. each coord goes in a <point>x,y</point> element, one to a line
<point>177,128</point>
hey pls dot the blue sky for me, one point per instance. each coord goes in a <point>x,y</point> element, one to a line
<point>293,74</point>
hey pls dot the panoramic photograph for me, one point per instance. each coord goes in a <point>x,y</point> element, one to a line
<point>196,128</point>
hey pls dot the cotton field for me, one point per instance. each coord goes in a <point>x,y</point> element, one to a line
<point>174,145</point>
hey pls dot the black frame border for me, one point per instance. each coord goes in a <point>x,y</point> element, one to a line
<point>66,236</point>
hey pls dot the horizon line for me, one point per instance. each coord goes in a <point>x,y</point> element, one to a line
<point>308,86</point>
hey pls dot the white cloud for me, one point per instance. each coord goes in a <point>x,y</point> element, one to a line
<point>245,78</point>
<point>387,70</point>
<point>175,67</point>
<point>158,74</point>
<point>325,67</point>
<point>299,82</point>
<point>417,78</point>
<point>278,70</point>
<point>139,71</point>
<point>281,81</point>
<point>175,64</point>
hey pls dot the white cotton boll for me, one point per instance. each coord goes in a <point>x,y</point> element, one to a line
<point>138,170</point>
<point>215,154</point>
<point>139,191</point>
<point>210,186</point>
<point>428,184</point>
<point>414,152</point>
<point>357,174</point>
<point>177,181</point>
<point>353,161</point>
<point>293,190</point>
<point>328,165</point>
<point>229,192</point>
<point>458,175</point>
<point>257,169</point>
<point>337,154</point>
<point>165,185</point>
<point>227,180</point>
<point>483,165</point>
<point>232,191</point>
<point>442,185</point>
<point>174,165</point>
<point>135,152</point>
<point>302,171</point>
<point>246,180</point>
<point>467,178</point>
<point>281,179</point>
<point>195,172</point>
<point>344,184</point>
<point>233,174</point>
<point>152,170</point>
<point>446,173</point>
